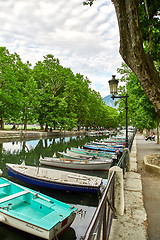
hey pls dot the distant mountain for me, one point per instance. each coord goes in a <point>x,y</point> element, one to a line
<point>109,101</point>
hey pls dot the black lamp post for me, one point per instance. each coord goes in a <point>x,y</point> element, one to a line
<point>113,84</point>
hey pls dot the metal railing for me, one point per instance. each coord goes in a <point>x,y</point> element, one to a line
<point>131,140</point>
<point>100,225</point>
<point>122,163</point>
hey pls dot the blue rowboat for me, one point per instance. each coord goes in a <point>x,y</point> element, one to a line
<point>33,212</point>
<point>99,148</point>
<point>55,179</point>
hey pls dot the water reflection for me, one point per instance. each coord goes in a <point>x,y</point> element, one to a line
<point>30,151</point>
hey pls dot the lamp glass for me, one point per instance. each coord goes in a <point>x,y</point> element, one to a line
<point>113,88</point>
<point>113,84</point>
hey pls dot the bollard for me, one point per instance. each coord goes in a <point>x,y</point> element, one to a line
<point>118,189</point>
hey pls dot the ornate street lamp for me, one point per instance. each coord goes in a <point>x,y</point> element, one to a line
<point>113,84</point>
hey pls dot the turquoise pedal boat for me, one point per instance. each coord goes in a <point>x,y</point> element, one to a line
<point>33,212</point>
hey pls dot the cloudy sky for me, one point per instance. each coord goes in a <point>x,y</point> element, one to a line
<point>83,38</point>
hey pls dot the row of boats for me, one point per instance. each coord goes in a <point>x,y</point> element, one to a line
<point>41,215</point>
<point>95,156</point>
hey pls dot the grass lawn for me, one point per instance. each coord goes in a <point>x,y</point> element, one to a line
<point>21,127</point>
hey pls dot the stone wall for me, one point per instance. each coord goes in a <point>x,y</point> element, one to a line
<point>8,135</point>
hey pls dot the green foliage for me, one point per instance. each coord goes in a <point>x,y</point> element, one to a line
<point>149,23</point>
<point>50,78</point>
<point>15,83</point>
<point>141,112</point>
<point>49,94</point>
<point>112,117</point>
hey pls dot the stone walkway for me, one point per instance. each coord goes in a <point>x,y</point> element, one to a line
<point>150,185</point>
<point>133,224</point>
<point>141,219</point>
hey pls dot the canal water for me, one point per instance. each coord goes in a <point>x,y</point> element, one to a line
<point>30,152</point>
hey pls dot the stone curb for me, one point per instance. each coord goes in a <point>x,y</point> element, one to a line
<point>150,167</point>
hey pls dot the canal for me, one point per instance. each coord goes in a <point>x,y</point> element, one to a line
<point>30,152</point>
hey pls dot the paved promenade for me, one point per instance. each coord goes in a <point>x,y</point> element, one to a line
<point>150,186</point>
<point>141,219</point>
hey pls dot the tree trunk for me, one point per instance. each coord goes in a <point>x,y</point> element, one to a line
<point>25,125</point>
<point>46,128</point>
<point>1,148</point>
<point>2,123</point>
<point>157,128</point>
<point>41,126</point>
<point>132,52</point>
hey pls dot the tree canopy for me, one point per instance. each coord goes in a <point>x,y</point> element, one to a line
<point>49,94</point>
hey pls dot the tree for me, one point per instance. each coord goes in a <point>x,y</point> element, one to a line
<point>52,81</point>
<point>149,23</point>
<point>66,114</point>
<point>132,48</point>
<point>11,68</point>
<point>111,117</point>
<point>77,94</point>
<point>29,100</point>
<point>95,110</point>
<point>141,111</point>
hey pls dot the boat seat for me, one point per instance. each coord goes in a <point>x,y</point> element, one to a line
<point>15,195</point>
<point>4,185</point>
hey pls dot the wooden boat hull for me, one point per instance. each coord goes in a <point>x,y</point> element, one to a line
<point>33,212</point>
<point>78,165</point>
<point>40,181</point>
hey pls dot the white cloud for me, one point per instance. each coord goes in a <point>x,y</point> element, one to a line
<point>83,38</point>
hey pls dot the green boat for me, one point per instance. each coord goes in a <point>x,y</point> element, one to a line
<point>91,152</point>
<point>33,212</point>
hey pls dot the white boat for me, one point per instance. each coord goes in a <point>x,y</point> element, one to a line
<point>78,156</point>
<point>77,163</point>
<point>33,212</point>
<point>55,179</point>
<point>109,145</point>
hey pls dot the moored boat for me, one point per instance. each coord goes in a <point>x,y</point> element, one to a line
<point>55,179</point>
<point>78,156</point>
<point>104,144</point>
<point>77,164</point>
<point>101,148</point>
<point>33,212</point>
<point>113,141</point>
<point>92,152</point>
